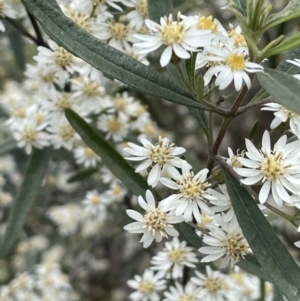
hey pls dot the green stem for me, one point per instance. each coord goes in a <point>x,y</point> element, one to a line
<point>262,290</point>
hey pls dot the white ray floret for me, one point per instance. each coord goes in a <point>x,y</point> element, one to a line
<point>180,37</point>
<point>193,193</point>
<point>161,156</point>
<point>277,168</point>
<point>147,287</point>
<point>189,292</point>
<point>227,242</point>
<point>156,223</point>
<point>173,258</point>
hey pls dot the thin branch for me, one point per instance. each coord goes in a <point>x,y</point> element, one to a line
<point>254,105</point>
<point>39,36</point>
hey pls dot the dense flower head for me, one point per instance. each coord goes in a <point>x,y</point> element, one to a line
<point>277,168</point>
<point>162,156</point>
<point>156,223</point>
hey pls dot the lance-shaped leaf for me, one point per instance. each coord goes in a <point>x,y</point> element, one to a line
<point>82,175</point>
<point>158,9</point>
<point>8,146</point>
<point>189,235</point>
<point>99,54</point>
<point>25,199</point>
<point>109,156</point>
<point>269,251</point>
<point>282,86</point>
<point>283,66</point>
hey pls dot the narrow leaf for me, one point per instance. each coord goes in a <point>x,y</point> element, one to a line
<point>269,251</point>
<point>99,54</point>
<point>109,156</point>
<point>82,175</point>
<point>283,66</point>
<point>282,86</point>
<point>240,5</point>
<point>201,119</point>
<point>8,146</point>
<point>252,268</point>
<point>158,9</point>
<point>188,233</point>
<point>24,201</point>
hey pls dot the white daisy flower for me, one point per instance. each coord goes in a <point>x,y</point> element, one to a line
<point>231,66</point>
<point>214,284</point>
<point>86,156</point>
<point>282,114</point>
<point>233,158</point>
<point>116,33</point>
<point>173,258</point>
<point>190,292</point>
<point>278,169</point>
<point>193,193</point>
<point>138,14</point>
<point>146,287</point>
<point>180,37</point>
<point>31,134</point>
<point>115,127</point>
<point>62,134</point>
<point>222,203</point>
<point>100,6</point>
<point>116,192</point>
<point>57,59</point>
<point>161,156</point>
<point>156,223</point>
<point>227,242</point>
<point>12,10</point>
<point>95,203</point>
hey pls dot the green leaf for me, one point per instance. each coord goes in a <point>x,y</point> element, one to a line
<point>188,233</point>
<point>277,296</point>
<point>240,5</point>
<point>82,175</point>
<point>158,9</point>
<point>272,255</point>
<point>282,86</point>
<point>109,156</point>
<point>8,146</point>
<point>201,119</point>
<point>112,62</point>
<point>283,66</point>
<point>250,267</point>
<point>27,194</point>
<point>287,44</point>
<point>291,11</point>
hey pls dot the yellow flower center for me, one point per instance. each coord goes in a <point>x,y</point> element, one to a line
<point>117,190</point>
<point>176,255</point>
<point>47,78</point>
<point>29,135</point>
<point>205,219</point>
<point>118,30</point>
<point>66,132</point>
<point>119,103</point>
<point>62,57</point>
<point>146,287</point>
<point>92,89</point>
<point>213,285</point>
<point>39,117</point>
<point>186,298</point>
<point>19,113</point>
<point>192,188</point>
<point>272,166</point>
<point>114,125</point>
<point>89,153</point>
<point>208,23</point>
<point>172,33</point>
<point>239,38</point>
<point>161,152</point>
<point>234,245</point>
<point>142,7</point>
<point>236,62</point>
<point>237,277</point>
<point>95,200</point>
<point>150,130</point>
<point>82,20</point>
<point>63,102</point>
<point>156,220</point>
